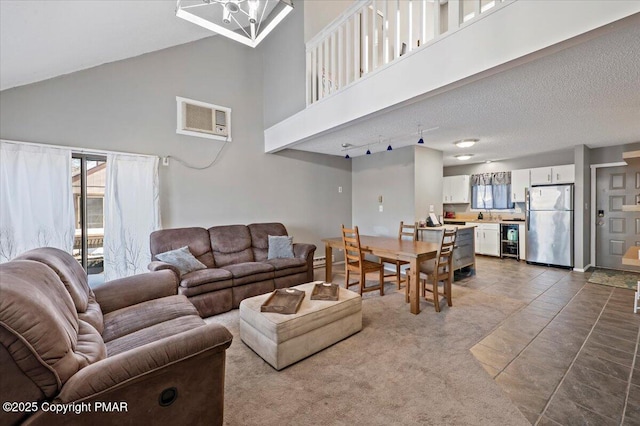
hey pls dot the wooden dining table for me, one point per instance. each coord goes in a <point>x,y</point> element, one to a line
<point>413,252</point>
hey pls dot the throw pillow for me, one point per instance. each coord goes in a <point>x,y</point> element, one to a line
<point>182,259</point>
<point>280,247</point>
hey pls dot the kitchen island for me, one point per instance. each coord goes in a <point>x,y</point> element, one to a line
<point>464,251</point>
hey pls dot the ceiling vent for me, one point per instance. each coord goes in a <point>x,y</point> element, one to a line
<point>203,120</point>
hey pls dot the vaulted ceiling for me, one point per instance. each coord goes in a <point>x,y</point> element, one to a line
<point>585,94</point>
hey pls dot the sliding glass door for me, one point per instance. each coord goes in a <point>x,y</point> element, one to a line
<point>88,173</point>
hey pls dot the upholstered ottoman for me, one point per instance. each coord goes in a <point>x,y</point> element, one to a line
<point>282,339</point>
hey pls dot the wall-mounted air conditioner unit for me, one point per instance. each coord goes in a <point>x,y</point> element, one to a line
<point>203,120</point>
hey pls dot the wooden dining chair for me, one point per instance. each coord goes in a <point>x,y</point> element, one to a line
<point>355,262</point>
<point>406,232</point>
<point>437,270</point>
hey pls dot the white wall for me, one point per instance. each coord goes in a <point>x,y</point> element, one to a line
<point>389,174</point>
<point>408,179</point>
<point>320,13</point>
<point>130,106</point>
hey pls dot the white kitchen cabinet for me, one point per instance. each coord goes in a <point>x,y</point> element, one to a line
<point>522,242</point>
<point>487,238</point>
<point>551,175</point>
<point>455,189</point>
<point>519,184</point>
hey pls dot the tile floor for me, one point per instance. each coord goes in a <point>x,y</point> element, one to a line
<point>570,355</point>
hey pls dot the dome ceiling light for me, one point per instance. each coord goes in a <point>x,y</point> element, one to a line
<point>463,157</point>
<point>466,143</point>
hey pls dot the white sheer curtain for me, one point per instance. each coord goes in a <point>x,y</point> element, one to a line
<point>36,199</point>
<point>131,213</point>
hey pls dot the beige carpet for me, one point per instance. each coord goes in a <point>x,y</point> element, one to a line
<point>400,369</point>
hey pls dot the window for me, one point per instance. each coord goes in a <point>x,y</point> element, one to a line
<point>95,212</point>
<point>87,180</point>
<point>490,191</point>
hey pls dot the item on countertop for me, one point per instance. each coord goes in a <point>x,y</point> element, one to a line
<point>283,301</point>
<point>449,215</point>
<point>480,216</point>
<point>325,291</point>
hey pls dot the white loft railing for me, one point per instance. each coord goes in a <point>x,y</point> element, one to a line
<point>373,33</point>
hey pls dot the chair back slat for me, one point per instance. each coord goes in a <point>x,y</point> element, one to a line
<point>408,231</point>
<point>351,242</point>
<point>445,254</point>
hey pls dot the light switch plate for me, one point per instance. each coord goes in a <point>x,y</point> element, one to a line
<point>380,208</point>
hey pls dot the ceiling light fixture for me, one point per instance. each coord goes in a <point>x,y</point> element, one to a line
<point>420,141</point>
<point>245,21</point>
<point>466,143</point>
<point>368,152</point>
<point>347,156</point>
<point>463,157</point>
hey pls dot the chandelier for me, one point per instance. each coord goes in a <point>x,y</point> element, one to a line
<point>245,21</point>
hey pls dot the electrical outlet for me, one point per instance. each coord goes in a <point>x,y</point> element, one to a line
<point>340,190</point>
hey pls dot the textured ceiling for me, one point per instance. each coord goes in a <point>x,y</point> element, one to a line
<point>586,94</point>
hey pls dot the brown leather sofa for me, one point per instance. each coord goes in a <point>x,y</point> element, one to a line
<point>237,264</point>
<point>132,342</point>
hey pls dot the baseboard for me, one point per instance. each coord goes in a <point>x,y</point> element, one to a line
<point>583,270</point>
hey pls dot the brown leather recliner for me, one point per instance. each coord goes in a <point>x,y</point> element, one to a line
<point>133,342</point>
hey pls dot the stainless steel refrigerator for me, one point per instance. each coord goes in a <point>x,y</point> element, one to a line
<point>549,215</point>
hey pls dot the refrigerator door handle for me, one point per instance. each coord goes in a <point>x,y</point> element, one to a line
<point>526,206</point>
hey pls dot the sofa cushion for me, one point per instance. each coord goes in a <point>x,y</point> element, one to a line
<point>205,276</point>
<point>249,268</point>
<point>231,244</point>
<point>90,343</point>
<point>136,317</point>
<point>153,333</point>
<point>197,239</point>
<point>249,272</point>
<point>286,267</point>
<point>260,238</point>
<point>206,288</point>
<point>280,247</point>
<point>93,314</point>
<point>69,271</point>
<point>182,259</point>
<point>39,324</point>
<point>287,263</point>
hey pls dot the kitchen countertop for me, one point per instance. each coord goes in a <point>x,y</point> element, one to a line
<point>446,226</point>
<point>508,222</point>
